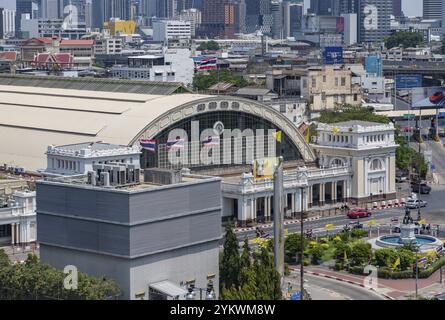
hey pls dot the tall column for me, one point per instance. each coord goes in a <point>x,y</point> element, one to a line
<point>18,233</point>
<point>242,210</point>
<point>309,195</point>
<point>12,233</point>
<point>334,191</point>
<point>322,194</point>
<point>293,203</point>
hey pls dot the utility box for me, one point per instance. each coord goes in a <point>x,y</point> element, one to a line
<point>162,176</point>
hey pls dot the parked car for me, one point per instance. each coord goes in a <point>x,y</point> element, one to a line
<point>400,179</point>
<point>358,213</point>
<point>396,228</point>
<point>415,203</point>
<point>436,97</point>
<point>423,187</point>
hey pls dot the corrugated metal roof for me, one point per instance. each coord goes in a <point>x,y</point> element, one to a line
<point>168,288</point>
<point>94,84</point>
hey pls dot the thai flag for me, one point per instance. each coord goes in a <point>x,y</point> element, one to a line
<point>422,260</point>
<point>175,144</point>
<point>148,144</point>
<point>211,141</point>
<point>206,64</point>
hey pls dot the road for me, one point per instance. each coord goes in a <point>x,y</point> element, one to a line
<point>328,289</point>
<point>340,220</point>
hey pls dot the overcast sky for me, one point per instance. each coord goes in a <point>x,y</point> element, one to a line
<point>410,7</point>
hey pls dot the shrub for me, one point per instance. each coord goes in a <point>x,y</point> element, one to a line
<point>292,247</point>
<point>316,254</point>
<point>324,246</point>
<point>436,265</point>
<point>385,257</point>
<point>361,252</point>
<point>338,266</point>
<point>359,233</point>
<point>340,250</point>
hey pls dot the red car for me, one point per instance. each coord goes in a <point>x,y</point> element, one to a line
<point>358,213</point>
<point>435,98</point>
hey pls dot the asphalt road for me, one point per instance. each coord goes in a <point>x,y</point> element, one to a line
<point>340,220</point>
<point>328,289</point>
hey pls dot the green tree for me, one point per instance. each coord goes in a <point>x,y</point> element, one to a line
<point>230,267</point>
<point>209,45</point>
<point>316,253</point>
<point>267,278</point>
<point>4,259</point>
<point>245,264</point>
<point>346,112</point>
<point>405,39</point>
<point>385,257</point>
<point>292,247</point>
<point>33,280</point>
<point>407,258</point>
<point>202,81</point>
<point>360,254</point>
<point>340,249</point>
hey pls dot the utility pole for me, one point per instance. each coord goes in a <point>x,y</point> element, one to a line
<point>278,218</point>
<point>302,246</point>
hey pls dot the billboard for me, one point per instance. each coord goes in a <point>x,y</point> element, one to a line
<point>264,168</point>
<point>428,98</point>
<point>373,65</point>
<point>340,25</point>
<point>408,81</point>
<point>333,55</point>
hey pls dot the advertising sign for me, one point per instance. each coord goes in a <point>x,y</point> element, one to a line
<point>408,81</point>
<point>428,97</point>
<point>264,168</point>
<point>333,55</point>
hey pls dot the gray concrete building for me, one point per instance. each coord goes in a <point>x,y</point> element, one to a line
<point>374,20</point>
<point>152,237</point>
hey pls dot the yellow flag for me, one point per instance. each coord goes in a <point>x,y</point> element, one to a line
<point>277,136</point>
<point>422,222</point>
<point>335,131</point>
<point>397,263</point>
<point>308,135</point>
<point>345,256</point>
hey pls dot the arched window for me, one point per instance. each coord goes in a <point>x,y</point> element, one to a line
<point>337,163</point>
<point>376,165</point>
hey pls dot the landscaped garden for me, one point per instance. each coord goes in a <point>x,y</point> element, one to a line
<point>349,251</point>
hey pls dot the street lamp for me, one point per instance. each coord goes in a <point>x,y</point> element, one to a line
<point>302,244</point>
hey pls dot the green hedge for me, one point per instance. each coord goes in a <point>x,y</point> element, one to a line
<point>387,273</point>
<point>436,265</point>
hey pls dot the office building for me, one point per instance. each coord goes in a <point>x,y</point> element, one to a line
<point>397,8</point>
<point>28,8</point>
<point>166,30</point>
<point>152,233</point>
<point>432,9</point>
<point>325,7</point>
<point>193,16</point>
<point>218,19</point>
<point>374,20</point>
<point>350,33</point>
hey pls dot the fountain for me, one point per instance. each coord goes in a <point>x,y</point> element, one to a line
<point>407,237</point>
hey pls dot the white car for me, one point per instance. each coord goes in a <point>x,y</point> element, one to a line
<point>415,203</point>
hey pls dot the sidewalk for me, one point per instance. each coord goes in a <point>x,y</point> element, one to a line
<point>392,289</point>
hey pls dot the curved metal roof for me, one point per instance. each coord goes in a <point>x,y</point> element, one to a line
<point>33,118</point>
